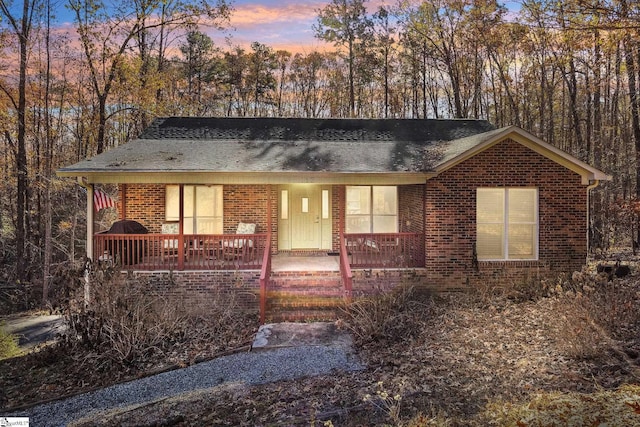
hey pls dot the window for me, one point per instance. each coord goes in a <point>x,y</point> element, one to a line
<point>202,208</point>
<point>284,205</point>
<point>507,223</point>
<point>372,209</point>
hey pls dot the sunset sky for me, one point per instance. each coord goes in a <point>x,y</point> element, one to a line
<point>280,24</point>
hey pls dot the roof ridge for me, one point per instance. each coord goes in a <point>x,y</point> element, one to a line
<point>304,129</point>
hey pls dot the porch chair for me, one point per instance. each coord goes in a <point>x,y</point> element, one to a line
<point>170,246</point>
<point>241,246</point>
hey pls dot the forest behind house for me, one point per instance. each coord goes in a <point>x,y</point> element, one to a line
<point>567,71</point>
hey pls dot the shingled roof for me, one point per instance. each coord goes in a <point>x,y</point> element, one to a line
<point>186,144</point>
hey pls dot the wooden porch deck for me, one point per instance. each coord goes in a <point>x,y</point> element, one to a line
<point>301,262</point>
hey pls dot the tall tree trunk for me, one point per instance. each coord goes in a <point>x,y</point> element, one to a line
<point>352,95</point>
<point>631,49</point>
<point>48,154</point>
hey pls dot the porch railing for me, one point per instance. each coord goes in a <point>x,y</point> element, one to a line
<point>246,251</point>
<point>265,277</point>
<point>181,252</point>
<point>385,250</point>
<point>345,271</point>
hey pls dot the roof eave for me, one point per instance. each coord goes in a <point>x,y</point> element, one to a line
<point>210,177</point>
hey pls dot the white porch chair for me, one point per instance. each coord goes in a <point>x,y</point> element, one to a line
<point>239,246</point>
<point>170,245</point>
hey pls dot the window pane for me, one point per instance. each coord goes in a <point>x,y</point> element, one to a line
<point>325,204</point>
<point>490,205</point>
<point>490,238</point>
<point>358,224</point>
<point>385,224</point>
<point>205,200</point>
<point>209,225</point>
<point>522,205</point>
<point>188,201</point>
<point>385,200</point>
<point>172,203</point>
<point>358,200</point>
<point>188,225</point>
<point>284,204</point>
<point>521,241</point>
<point>218,196</point>
<point>203,208</point>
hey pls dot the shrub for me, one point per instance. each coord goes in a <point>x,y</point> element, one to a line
<point>596,313</point>
<point>129,320</point>
<point>8,345</point>
<point>390,316</point>
<point>124,320</point>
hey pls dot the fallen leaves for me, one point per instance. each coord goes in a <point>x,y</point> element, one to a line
<point>471,364</point>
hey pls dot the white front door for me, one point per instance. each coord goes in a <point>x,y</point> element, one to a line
<point>304,206</point>
<point>304,217</point>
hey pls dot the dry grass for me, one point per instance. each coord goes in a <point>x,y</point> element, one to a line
<point>619,407</point>
<point>8,344</point>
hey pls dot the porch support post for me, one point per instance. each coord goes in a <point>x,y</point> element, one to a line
<point>90,220</point>
<point>181,247</point>
<point>89,243</point>
<point>123,201</point>
<point>269,208</point>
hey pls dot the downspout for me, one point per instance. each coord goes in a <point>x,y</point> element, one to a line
<point>590,187</point>
<point>89,243</point>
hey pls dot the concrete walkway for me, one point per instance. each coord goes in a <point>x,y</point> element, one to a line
<point>32,330</point>
<point>287,351</point>
<point>279,335</point>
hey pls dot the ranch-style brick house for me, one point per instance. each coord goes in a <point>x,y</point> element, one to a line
<point>295,214</point>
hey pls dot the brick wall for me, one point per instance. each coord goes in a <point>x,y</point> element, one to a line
<point>368,282</point>
<point>450,223</point>
<point>411,208</point>
<point>337,197</point>
<point>246,203</point>
<point>242,203</point>
<point>145,204</point>
<point>198,286</point>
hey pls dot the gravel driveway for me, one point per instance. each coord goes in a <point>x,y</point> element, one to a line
<point>255,367</point>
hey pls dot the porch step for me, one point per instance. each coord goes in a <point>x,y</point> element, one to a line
<point>304,296</point>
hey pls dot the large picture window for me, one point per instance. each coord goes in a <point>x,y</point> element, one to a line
<point>507,223</point>
<point>202,208</point>
<point>372,209</point>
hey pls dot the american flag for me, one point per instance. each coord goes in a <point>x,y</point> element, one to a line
<point>101,200</point>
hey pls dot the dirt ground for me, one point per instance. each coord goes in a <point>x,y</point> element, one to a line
<point>471,353</point>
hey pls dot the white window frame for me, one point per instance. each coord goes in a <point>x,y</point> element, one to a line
<point>172,213</point>
<point>371,210</point>
<point>506,223</point>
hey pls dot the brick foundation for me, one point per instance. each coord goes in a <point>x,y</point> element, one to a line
<point>374,281</point>
<point>195,286</point>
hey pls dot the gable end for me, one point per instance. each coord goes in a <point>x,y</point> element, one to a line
<point>587,173</point>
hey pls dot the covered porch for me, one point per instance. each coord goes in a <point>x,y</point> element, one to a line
<point>200,227</point>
